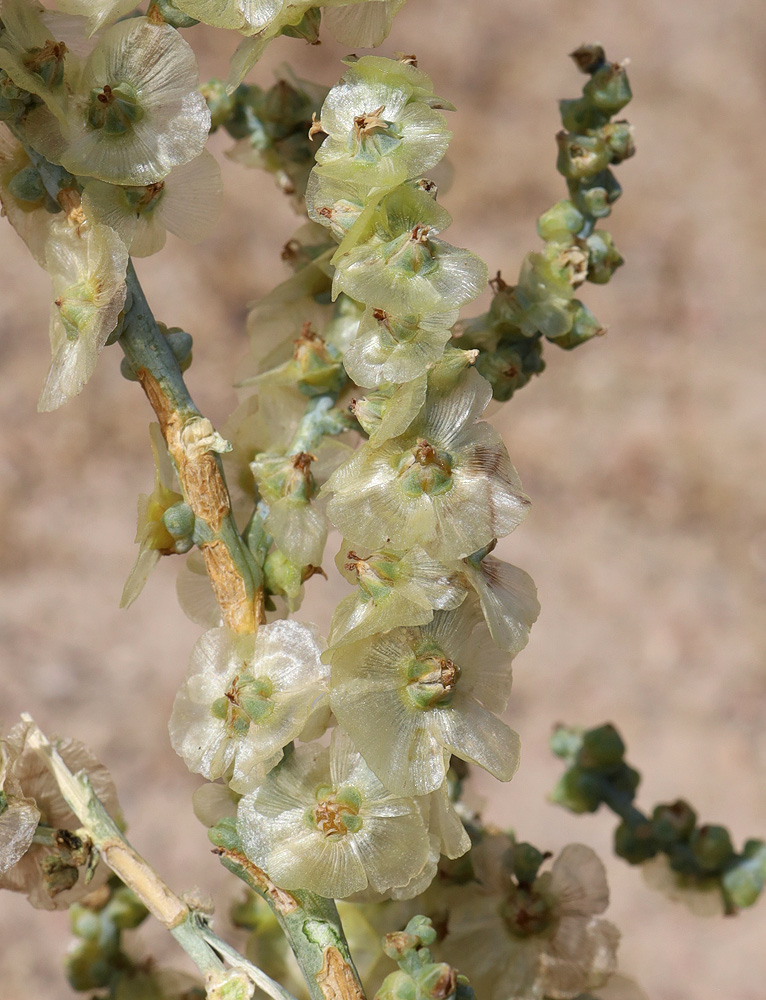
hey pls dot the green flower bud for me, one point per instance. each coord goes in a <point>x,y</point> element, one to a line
<point>560,223</point>
<point>27,186</point>
<point>511,365</point>
<point>89,965</point>
<point>307,28</point>
<point>673,822</point>
<point>224,834</point>
<point>581,156</point>
<point>712,847</point>
<point>84,922</point>
<point>608,88</point>
<point>180,343</point>
<point>744,881</point>
<point>584,326</point>
<point>281,575</point>
<point>579,115</point>
<point>603,257</point>
<point>397,986</point>
<point>578,791</point>
<point>602,749</point>
<point>179,520</point>
<point>635,842</point>
<point>625,780</point>
<point>619,139</point>
<point>595,195</point>
<point>222,105</point>
<point>526,862</point>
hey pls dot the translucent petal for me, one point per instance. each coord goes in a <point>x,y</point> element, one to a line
<point>446,826</point>
<point>18,823</point>
<point>578,879</point>
<point>472,733</point>
<point>212,802</point>
<point>195,593</point>
<point>193,196</point>
<point>389,349</point>
<point>508,599</point>
<point>364,25</point>
<point>299,530</point>
<point>31,222</point>
<point>98,12</point>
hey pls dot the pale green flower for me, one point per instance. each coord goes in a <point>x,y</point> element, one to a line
<point>530,941</point>
<point>186,203</point>
<point>395,588</point>
<point>388,411</point>
<point>136,112</point>
<point>397,348</point>
<point>432,690</point>
<point>395,261</point>
<point>378,128</point>
<point>323,822</point>
<point>32,57</point>
<point>33,796</point>
<point>23,196</point>
<point>87,265</point>
<point>245,698</point>
<point>446,483</point>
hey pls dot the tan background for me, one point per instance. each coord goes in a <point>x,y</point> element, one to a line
<point>643,452</point>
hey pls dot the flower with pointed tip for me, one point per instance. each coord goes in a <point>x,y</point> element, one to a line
<point>52,876</point>
<point>186,203</point>
<point>394,260</point>
<point>135,113</point>
<point>87,265</point>
<point>152,534</point>
<point>446,483</point>
<point>530,940</point>
<point>378,127</point>
<point>395,588</point>
<point>245,698</point>
<point>322,821</point>
<point>431,689</point>
<point>507,595</point>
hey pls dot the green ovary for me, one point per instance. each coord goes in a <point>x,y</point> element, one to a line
<point>431,677</point>
<point>336,812</point>
<point>114,110</point>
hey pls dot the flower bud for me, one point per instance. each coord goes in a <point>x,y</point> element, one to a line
<point>634,842</point>
<point>578,791</point>
<point>579,115</point>
<point>619,139</point>
<point>673,822</point>
<point>712,847</point>
<point>560,223</point>
<point>180,343</point>
<point>526,862</point>
<point>581,156</point>
<point>602,749</point>
<point>171,14</point>
<point>589,58</point>
<point>744,881</point>
<point>608,88</point>
<point>179,520</point>
<point>603,257</point>
<point>125,909</point>
<point>584,326</point>
<point>595,195</point>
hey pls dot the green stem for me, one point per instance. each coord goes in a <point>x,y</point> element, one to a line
<point>313,928</point>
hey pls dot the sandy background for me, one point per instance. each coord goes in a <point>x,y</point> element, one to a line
<point>644,454</point>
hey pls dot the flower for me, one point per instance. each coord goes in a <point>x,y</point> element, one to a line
<point>136,112</point>
<point>53,874</point>
<point>152,535</point>
<point>395,588</point>
<point>508,598</point>
<point>87,265</point>
<point>395,261</point>
<point>446,483</point>
<point>523,940</point>
<point>380,124</point>
<point>431,689</point>
<point>397,348</point>
<point>245,698</point>
<point>31,56</point>
<point>23,196</point>
<point>323,822</point>
<point>186,203</point>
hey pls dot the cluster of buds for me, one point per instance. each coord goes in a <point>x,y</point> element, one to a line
<point>694,863</point>
<point>542,304</point>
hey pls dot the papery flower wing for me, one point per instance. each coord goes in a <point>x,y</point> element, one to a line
<point>474,734</point>
<point>362,25</point>
<point>578,880</point>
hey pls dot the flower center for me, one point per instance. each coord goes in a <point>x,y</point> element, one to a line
<point>247,700</point>
<point>428,470</point>
<point>376,574</point>
<point>336,812</point>
<point>373,136</point>
<point>47,62</point>
<point>526,912</point>
<point>144,200</point>
<point>114,109</point>
<point>431,678</point>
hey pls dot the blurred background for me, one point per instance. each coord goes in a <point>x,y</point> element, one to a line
<point>643,452</point>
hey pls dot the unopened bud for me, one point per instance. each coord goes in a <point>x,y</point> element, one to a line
<point>608,88</point>
<point>635,842</point>
<point>712,847</point>
<point>603,257</point>
<point>673,822</point>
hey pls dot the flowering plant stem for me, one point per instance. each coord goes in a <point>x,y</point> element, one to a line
<point>187,926</point>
